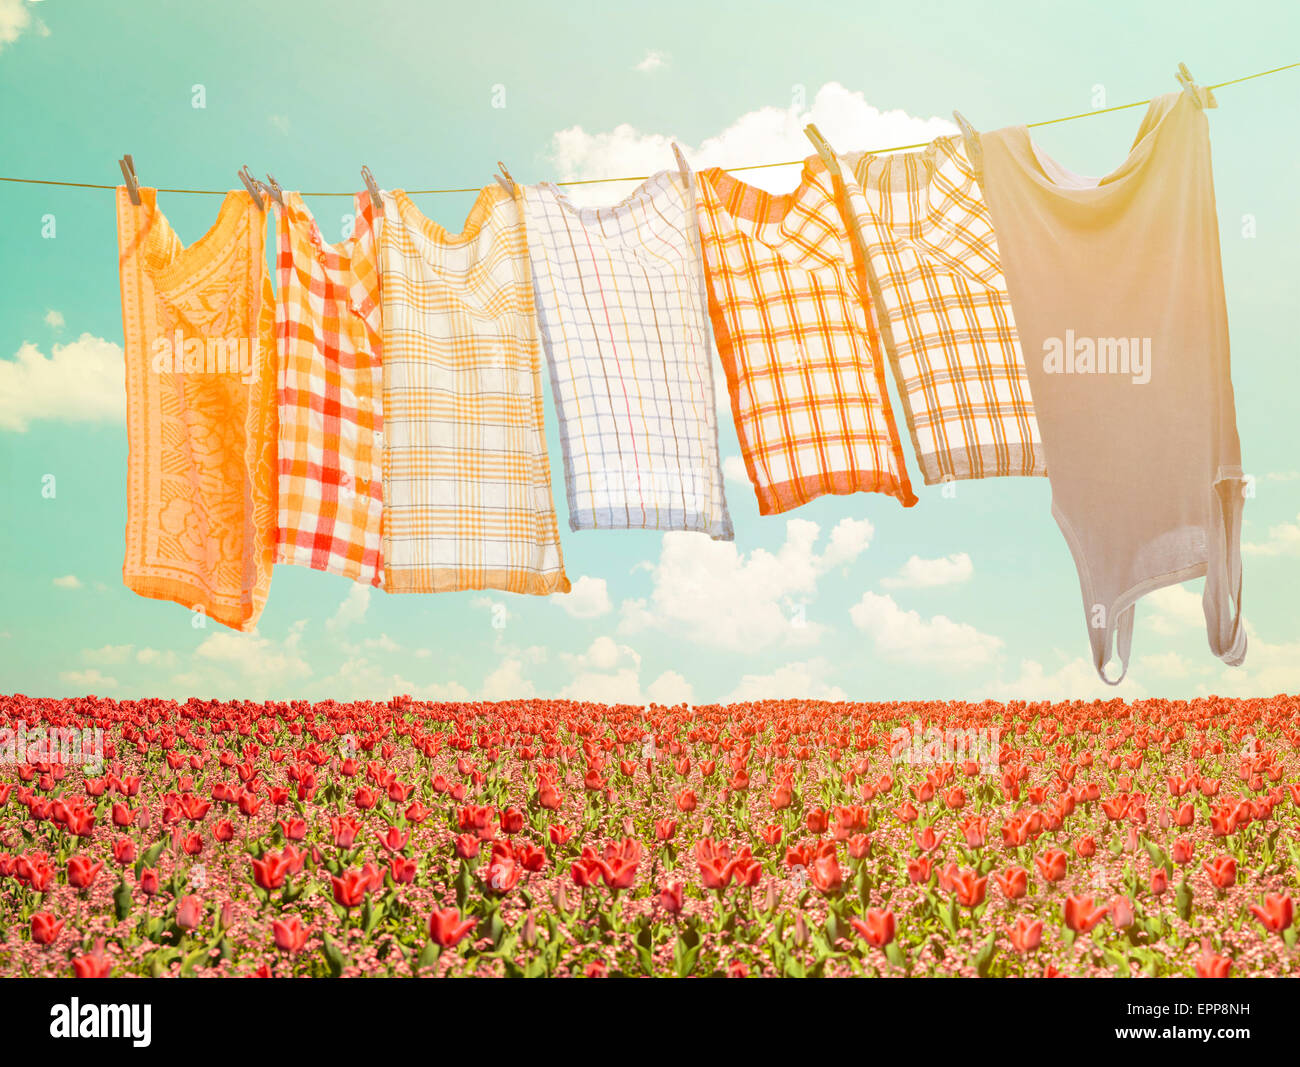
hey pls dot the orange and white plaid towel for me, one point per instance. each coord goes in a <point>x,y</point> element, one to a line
<point>199,331</point>
<point>944,313</point>
<point>797,342</point>
<point>330,332</point>
<point>467,479</point>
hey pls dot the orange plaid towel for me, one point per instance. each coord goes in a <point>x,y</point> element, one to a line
<point>199,330</point>
<point>944,313</point>
<point>467,479</point>
<point>797,342</point>
<point>330,331</point>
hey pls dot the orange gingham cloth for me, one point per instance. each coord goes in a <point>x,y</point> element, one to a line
<point>467,479</point>
<point>200,504</point>
<point>944,312</point>
<point>797,342</point>
<point>330,331</point>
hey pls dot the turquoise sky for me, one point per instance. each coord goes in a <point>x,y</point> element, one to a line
<point>409,88</point>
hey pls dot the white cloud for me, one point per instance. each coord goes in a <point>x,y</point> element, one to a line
<point>708,592</point>
<point>762,136</point>
<point>604,654</point>
<point>67,581</point>
<point>507,682</point>
<point>109,654</point>
<point>653,60</point>
<point>1074,679</point>
<point>357,678</point>
<point>610,673</point>
<point>588,598</point>
<point>918,573</point>
<point>906,637</point>
<point>82,382</point>
<point>352,609</point>
<point>1172,610</point>
<point>793,681</point>
<point>849,539</point>
<point>88,681</point>
<point>733,469</point>
<point>1167,665</point>
<point>1269,669</point>
<point>1283,540</point>
<point>256,658</point>
<point>54,319</point>
<point>382,643</point>
<point>154,657</point>
<point>670,688</point>
<point>15,17</point>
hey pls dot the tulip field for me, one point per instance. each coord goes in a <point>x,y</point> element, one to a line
<point>552,838</point>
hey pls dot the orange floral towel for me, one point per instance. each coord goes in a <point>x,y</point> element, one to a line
<point>199,329</point>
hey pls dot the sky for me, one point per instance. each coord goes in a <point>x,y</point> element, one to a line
<point>969,596</point>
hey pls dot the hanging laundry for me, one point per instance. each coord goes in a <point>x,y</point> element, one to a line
<point>797,342</point>
<point>199,329</point>
<point>623,315</point>
<point>467,480</point>
<point>1118,292</point>
<point>330,330</point>
<point>944,314</point>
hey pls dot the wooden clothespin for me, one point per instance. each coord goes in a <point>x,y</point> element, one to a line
<point>967,130</point>
<point>823,149</point>
<point>128,175</point>
<point>1201,95</point>
<point>971,137</point>
<point>273,187</point>
<point>250,183</point>
<point>372,187</point>
<point>682,166</point>
<point>507,182</point>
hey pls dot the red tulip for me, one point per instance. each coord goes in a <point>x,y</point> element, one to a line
<point>351,889</point>
<point>189,912</point>
<point>1026,935</point>
<point>672,895</point>
<point>1014,882</point>
<point>1275,913</point>
<point>969,889</point>
<point>93,964</point>
<point>502,873</point>
<point>82,873</point>
<point>1222,871</point>
<point>826,874</point>
<point>1121,913</point>
<point>1051,864</point>
<point>45,928</point>
<point>270,871</point>
<point>1211,965</point>
<point>1080,915</point>
<point>290,934</point>
<point>447,929</point>
<point>877,928</point>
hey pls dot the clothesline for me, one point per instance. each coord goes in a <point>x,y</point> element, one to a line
<point>643,177</point>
